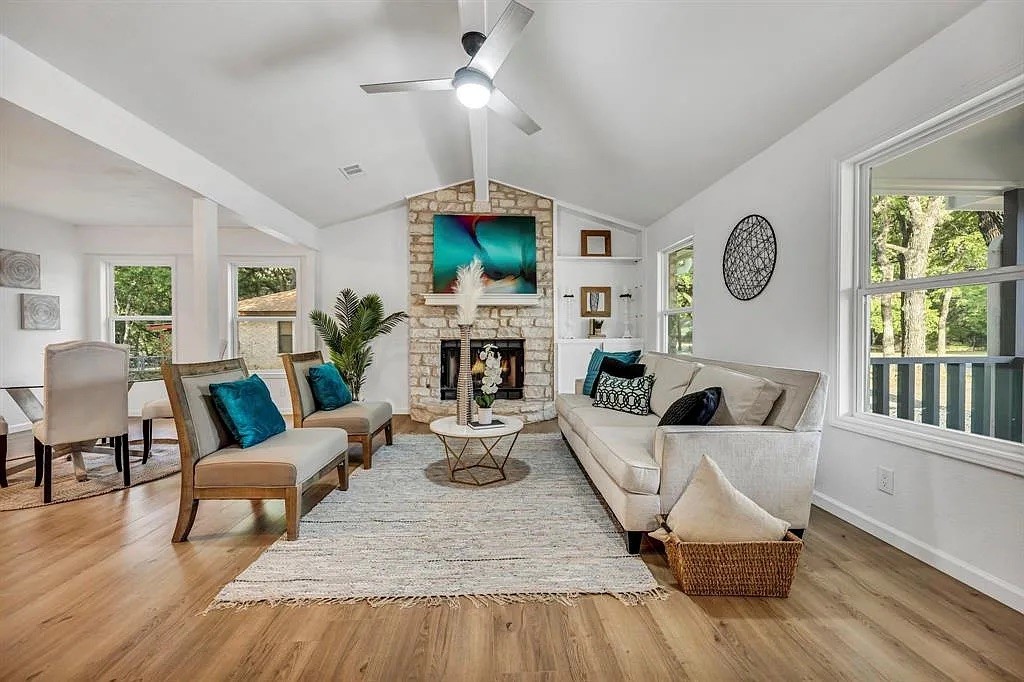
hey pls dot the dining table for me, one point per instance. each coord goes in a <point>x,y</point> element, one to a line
<point>23,395</point>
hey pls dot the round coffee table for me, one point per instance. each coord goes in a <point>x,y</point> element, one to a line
<point>462,458</point>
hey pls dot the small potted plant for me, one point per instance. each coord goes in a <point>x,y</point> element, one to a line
<point>489,384</point>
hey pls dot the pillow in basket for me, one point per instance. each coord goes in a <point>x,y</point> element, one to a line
<point>711,509</point>
<point>625,395</point>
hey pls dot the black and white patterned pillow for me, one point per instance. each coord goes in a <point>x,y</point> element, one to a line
<point>625,395</point>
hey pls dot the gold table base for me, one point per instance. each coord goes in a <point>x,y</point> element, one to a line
<point>455,457</point>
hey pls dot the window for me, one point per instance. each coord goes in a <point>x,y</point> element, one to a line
<point>141,313</point>
<point>938,302</point>
<point>264,313</point>
<point>677,299</point>
<point>284,337</point>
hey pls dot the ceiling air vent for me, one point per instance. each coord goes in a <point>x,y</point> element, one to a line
<point>352,171</point>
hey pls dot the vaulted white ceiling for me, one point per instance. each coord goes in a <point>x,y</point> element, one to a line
<point>46,170</point>
<point>642,104</point>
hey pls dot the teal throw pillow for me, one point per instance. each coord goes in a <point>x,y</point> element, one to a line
<point>627,357</point>
<point>329,390</point>
<point>247,410</point>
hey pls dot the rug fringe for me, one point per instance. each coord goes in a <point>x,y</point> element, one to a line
<point>638,598</point>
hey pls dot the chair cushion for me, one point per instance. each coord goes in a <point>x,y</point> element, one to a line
<point>595,365</point>
<point>673,378</point>
<point>693,409</point>
<point>583,419</point>
<point>288,458</point>
<point>746,399</point>
<point>565,403</point>
<point>626,454</point>
<point>357,418</point>
<point>711,509</point>
<point>248,410</point>
<point>157,409</point>
<point>329,390</point>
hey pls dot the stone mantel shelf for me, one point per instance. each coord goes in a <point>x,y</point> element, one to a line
<point>486,299</point>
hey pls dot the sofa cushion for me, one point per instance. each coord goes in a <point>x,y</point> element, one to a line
<point>157,409</point>
<point>671,381</point>
<point>595,365</point>
<point>583,419</point>
<point>626,454</point>
<point>565,403</point>
<point>356,417</point>
<point>711,509</point>
<point>289,458</point>
<point>617,368</point>
<point>693,409</point>
<point>746,399</point>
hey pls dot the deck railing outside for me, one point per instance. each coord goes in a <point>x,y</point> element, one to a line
<point>971,393</point>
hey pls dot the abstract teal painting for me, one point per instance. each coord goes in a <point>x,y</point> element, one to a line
<point>505,245</point>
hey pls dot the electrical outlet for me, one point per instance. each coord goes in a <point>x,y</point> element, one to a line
<point>886,480</point>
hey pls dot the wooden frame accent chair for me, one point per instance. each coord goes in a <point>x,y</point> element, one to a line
<point>3,453</point>
<point>363,420</point>
<point>214,467</point>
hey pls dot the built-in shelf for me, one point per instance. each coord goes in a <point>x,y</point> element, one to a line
<point>631,339</point>
<point>601,259</point>
<point>486,299</point>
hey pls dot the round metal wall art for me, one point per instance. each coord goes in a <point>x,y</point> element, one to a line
<point>749,258</point>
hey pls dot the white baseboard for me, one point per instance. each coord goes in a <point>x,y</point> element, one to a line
<point>994,586</point>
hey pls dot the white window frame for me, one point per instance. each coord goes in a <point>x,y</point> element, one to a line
<point>664,296</point>
<point>109,318</point>
<point>301,305</point>
<point>850,315</point>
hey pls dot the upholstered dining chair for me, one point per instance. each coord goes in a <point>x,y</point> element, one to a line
<point>362,419</point>
<point>154,409</point>
<point>214,467</point>
<point>85,398</point>
<point>3,452</point>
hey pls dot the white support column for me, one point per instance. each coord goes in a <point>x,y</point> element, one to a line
<point>202,331</point>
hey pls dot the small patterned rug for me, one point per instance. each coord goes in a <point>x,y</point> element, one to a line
<point>403,533</point>
<point>104,477</point>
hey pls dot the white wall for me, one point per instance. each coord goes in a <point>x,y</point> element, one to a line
<point>371,255</point>
<point>101,244</point>
<point>21,351</point>
<point>965,519</point>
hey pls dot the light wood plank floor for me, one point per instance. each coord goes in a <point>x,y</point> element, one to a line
<point>94,589</point>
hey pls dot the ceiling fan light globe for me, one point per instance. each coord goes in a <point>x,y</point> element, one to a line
<point>473,95</point>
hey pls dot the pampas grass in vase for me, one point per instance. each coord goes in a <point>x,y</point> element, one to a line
<point>469,288</point>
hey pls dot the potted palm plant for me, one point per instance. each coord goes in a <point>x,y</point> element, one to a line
<point>489,384</point>
<point>348,334</point>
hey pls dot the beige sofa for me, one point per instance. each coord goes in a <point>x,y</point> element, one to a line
<point>641,468</point>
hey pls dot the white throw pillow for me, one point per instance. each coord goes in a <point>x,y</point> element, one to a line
<point>746,399</point>
<point>711,509</point>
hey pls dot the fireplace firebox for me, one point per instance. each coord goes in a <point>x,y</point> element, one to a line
<point>512,361</point>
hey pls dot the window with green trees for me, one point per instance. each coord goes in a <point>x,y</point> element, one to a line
<point>677,297</point>
<point>141,313</point>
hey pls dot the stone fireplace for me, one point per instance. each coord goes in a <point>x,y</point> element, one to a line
<point>513,365</point>
<point>529,392</point>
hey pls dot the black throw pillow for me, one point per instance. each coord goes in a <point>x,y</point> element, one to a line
<point>693,409</point>
<point>617,368</point>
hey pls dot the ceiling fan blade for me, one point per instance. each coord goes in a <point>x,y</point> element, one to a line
<point>500,104</point>
<point>502,37</point>
<point>409,86</point>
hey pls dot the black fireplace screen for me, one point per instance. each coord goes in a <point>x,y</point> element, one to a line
<point>512,361</point>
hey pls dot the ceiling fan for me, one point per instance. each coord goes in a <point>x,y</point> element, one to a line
<point>474,83</point>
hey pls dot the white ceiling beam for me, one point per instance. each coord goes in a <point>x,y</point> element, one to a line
<point>473,17</point>
<point>39,87</point>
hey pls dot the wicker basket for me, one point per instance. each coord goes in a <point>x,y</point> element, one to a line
<point>753,569</point>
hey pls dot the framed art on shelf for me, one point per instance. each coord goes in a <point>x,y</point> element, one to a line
<point>597,243</point>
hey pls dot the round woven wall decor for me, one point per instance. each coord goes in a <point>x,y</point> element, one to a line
<point>749,258</point>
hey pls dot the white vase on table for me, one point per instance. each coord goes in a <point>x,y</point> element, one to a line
<point>484,415</point>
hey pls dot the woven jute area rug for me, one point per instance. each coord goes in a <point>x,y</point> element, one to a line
<point>164,460</point>
<point>403,533</point>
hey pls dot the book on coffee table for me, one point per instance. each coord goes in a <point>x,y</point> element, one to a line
<point>495,424</point>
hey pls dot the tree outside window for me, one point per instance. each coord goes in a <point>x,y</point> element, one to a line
<point>142,313</point>
<point>677,315</point>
